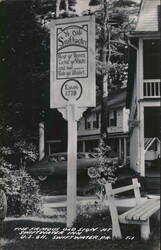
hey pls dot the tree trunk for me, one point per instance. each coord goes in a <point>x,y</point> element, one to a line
<point>41,141</point>
<point>104,84</point>
<point>58,7</point>
<point>66,6</point>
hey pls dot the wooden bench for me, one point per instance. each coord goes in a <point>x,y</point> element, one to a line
<point>139,214</point>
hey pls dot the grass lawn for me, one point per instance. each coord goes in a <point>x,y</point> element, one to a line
<point>101,224</point>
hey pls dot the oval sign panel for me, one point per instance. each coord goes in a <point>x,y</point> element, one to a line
<point>71,90</point>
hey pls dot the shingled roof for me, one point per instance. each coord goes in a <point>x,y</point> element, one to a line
<point>148,25</point>
<point>115,100</point>
<point>148,17</point>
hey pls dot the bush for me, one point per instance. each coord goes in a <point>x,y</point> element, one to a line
<point>21,153</point>
<point>104,171</point>
<point>22,192</point>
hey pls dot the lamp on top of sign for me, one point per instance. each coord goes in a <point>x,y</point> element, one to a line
<point>72,62</point>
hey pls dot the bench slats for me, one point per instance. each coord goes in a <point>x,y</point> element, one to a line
<point>133,210</point>
<point>141,212</point>
<point>150,212</point>
<point>144,210</point>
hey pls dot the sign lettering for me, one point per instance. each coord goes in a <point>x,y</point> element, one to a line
<point>72,52</point>
<point>72,71</point>
<point>71,90</point>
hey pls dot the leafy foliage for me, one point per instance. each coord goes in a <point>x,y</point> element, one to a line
<point>16,151</point>
<point>46,9</point>
<point>24,64</point>
<point>22,192</point>
<point>114,20</point>
<point>104,170</point>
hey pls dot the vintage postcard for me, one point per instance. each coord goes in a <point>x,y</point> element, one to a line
<point>80,124</point>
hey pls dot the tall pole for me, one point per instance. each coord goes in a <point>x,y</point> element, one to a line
<point>72,165</point>
<point>72,151</point>
<point>71,95</point>
<point>66,6</point>
<point>57,7</point>
<point>105,58</point>
<point>41,141</point>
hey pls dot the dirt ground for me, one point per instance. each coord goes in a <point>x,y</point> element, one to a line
<point>15,238</point>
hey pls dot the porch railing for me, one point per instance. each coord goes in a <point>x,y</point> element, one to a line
<point>152,88</point>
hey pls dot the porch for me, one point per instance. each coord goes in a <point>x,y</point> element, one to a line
<point>152,143</point>
<point>152,185</point>
<point>150,182</point>
<point>154,170</point>
<point>152,157</point>
<point>152,88</point>
<point>151,68</point>
<point>152,177</point>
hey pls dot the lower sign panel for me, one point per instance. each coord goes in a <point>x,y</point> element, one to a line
<point>71,90</point>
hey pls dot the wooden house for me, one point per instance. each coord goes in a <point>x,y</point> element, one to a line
<point>117,126</point>
<point>144,87</point>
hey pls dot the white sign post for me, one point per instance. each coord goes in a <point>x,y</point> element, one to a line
<point>72,165</point>
<point>72,88</point>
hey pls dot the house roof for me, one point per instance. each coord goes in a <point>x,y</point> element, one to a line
<point>116,99</point>
<point>148,24</point>
<point>149,141</point>
<point>148,17</point>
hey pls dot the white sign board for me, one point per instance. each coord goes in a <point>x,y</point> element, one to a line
<point>72,66</point>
